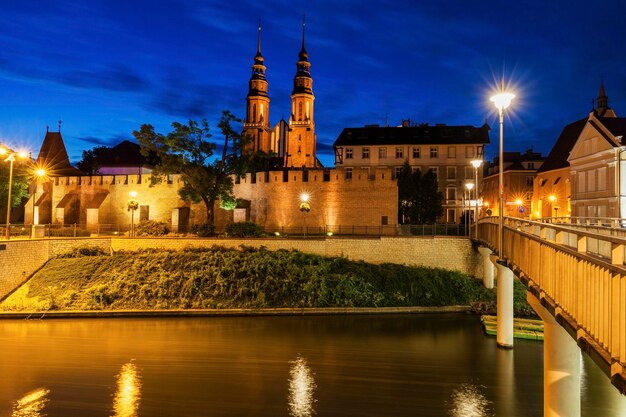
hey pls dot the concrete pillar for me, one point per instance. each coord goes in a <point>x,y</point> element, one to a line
<point>504,295</point>
<point>561,366</point>
<point>487,267</point>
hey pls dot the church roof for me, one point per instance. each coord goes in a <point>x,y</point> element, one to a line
<point>557,158</point>
<point>53,157</point>
<point>615,125</point>
<point>413,135</point>
<point>125,154</point>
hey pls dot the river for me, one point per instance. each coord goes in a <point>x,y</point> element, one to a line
<point>400,365</point>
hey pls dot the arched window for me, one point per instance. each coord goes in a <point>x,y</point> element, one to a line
<point>254,113</point>
<point>300,111</point>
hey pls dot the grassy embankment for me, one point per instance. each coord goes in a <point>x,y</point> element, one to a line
<point>250,278</point>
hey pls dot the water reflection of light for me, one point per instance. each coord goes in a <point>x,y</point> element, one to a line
<point>467,401</point>
<point>128,396</point>
<point>31,404</point>
<point>301,387</point>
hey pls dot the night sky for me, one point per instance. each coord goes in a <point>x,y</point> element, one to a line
<point>106,67</point>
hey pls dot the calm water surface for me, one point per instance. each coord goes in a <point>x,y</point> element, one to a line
<point>276,366</point>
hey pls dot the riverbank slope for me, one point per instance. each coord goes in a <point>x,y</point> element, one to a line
<point>220,278</point>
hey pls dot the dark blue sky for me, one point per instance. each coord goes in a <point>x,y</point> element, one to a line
<point>106,67</point>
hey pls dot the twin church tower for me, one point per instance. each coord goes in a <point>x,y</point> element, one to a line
<point>294,142</point>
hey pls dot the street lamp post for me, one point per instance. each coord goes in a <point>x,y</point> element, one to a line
<point>502,100</point>
<point>552,199</point>
<point>476,163</point>
<point>132,205</point>
<point>10,159</point>
<point>305,208</point>
<point>469,187</point>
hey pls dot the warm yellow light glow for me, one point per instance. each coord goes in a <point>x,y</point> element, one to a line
<point>486,204</point>
<point>40,172</point>
<point>469,186</point>
<point>304,197</point>
<point>502,100</point>
<point>128,395</point>
<point>476,163</point>
<point>552,198</point>
<point>329,234</point>
<point>31,404</point>
<point>518,202</point>
<point>133,194</point>
<point>22,154</point>
<point>3,151</point>
<point>277,233</point>
<point>301,389</point>
<point>467,400</point>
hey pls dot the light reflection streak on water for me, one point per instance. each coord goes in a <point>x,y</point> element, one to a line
<point>31,404</point>
<point>467,401</point>
<point>301,389</point>
<point>128,396</point>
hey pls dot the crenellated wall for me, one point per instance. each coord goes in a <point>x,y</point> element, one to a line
<point>272,199</point>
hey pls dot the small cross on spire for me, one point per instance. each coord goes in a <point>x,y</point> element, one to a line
<point>60,123</point>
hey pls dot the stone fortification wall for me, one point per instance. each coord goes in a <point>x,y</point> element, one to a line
<point>368,198</point>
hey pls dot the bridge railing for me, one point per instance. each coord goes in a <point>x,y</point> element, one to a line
<point>577,272</point>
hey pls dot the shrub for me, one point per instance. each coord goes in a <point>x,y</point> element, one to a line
<point>151,228</point>
<point>86,251</point>
<point>244,229</point>
<point>203,229</point>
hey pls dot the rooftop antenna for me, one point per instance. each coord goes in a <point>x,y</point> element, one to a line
<point>47,128</point>
<point>60,122</point>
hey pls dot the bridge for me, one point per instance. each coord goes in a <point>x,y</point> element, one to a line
<point>576,279</point>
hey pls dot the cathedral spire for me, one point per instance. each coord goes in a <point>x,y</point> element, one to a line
<point>303,55</point>
<point>603,100</point>
<point>258,46</point>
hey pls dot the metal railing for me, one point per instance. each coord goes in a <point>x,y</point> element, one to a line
<point>83,230</point>
<point>578,272</point>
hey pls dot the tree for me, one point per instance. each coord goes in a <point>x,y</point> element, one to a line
<point>91,158</point>
<point>188,151</point>
<point>419,198</point>
<point>19,189</point>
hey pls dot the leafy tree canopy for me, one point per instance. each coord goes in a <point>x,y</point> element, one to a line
<point>188,150</point>
<point>19,189</point>
<point>420,201</point>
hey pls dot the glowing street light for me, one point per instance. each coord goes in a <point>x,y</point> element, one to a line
<point>10,158</point>
<point>552,199</point>
<point>132,205</point>
<point>468,224</point>
<point>502,100</point>
<point>305,208</point>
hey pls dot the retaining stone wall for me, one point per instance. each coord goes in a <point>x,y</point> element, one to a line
<point>21,258</point>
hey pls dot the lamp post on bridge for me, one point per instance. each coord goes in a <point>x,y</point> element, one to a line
<point>502,100</point>
<point>469,186</point>
<point>132,206</point>
<point>305,208</point>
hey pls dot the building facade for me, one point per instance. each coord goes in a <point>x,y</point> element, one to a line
<point>448,151</point>
<point>520,170</point>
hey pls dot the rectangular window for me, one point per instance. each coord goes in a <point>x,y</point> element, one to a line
<point>451,151</point>
<point>348,153</point>
<point>366,153</point>
<point>434,151</point>
<point>581,182</point>
<point>591,180</point>
<point>398,171</point>
<point>416,153</point>
<point>469,173</point>
<point>399,153</point>
<point>469,151</point>
<point>602,179</point>
<point>382,153</point>
<point>348,173</point>
<point>529,181</point>
<point>384,220</point>
<point>451,216</point>
<point>451,173</point>
<point>451,193</point>
<point>435,170</point>
<point>415,169</point>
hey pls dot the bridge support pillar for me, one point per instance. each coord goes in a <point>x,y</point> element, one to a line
<point>504,336</point>
<point>487,266</point>
<point>561,366</point>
